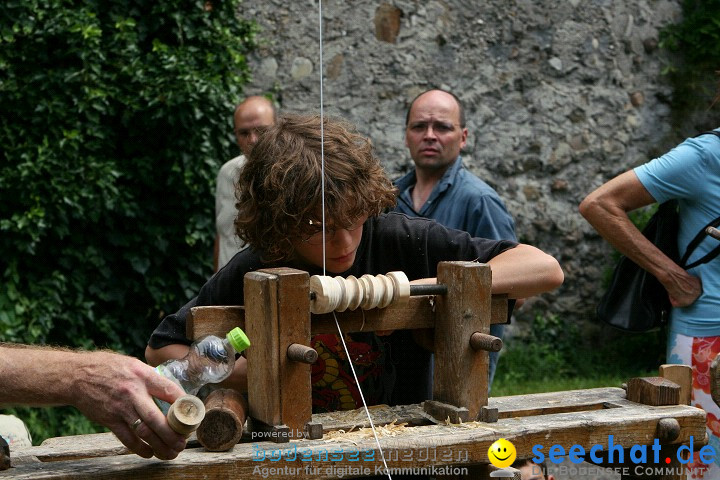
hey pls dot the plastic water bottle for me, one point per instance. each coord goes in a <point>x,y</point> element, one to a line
<point>210,360</point>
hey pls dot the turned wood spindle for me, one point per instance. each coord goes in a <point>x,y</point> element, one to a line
<point>338,294</point>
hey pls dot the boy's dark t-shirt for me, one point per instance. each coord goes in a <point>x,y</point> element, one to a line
<point>391,369</point>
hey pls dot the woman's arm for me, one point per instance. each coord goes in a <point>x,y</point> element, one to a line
<point>606,210</point>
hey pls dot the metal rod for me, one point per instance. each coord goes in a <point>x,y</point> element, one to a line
<point>430,289</point>
<point>415,290</point>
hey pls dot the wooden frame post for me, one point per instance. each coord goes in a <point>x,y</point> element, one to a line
<point>461,373</point>
<point>277,315</point>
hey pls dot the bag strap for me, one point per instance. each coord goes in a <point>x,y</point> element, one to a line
<point>701,234</point>
<point>709,132</point>
<point>694,244</point>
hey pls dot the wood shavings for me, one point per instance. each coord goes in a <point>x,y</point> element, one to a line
<point>389,430</point>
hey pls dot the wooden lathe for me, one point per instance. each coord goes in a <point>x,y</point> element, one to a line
<point>452,432</point>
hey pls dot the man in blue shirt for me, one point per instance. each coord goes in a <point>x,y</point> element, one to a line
<point>440,187</point>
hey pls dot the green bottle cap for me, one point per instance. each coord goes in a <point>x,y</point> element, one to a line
<point>238,339</point>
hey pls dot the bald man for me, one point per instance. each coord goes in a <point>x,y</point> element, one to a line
<point>250,116</point>
<point>440,187</point>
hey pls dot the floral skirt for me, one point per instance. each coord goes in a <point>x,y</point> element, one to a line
<point>699,352</point>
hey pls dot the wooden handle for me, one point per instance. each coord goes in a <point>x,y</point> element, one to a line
<point>483,341</point>
<point>185,414</point>
<point>225,415</point>
<point>302,353</point>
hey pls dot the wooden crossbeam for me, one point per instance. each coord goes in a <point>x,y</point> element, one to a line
<point>459,444</point>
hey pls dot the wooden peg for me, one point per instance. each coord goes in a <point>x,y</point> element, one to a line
<point>483,341</point>
<point>302,353</point>
<point>667,430</point>
<point>682,375</point>
<point>225,415</point>
<point>185,414</point>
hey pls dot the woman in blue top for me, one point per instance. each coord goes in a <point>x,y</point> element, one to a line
<point>690,174</point>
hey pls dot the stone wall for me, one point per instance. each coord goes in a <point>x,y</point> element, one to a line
<point>560,95</point>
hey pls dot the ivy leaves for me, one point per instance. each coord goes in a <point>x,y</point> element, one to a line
<point>117,115</point>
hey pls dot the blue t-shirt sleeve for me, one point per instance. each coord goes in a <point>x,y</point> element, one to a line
<point>678,173</point>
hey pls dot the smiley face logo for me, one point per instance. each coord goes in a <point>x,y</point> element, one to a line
<point>502,453</point>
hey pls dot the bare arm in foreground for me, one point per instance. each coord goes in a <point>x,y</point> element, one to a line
<point>111,389</point>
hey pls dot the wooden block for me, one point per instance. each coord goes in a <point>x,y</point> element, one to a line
<point>314,430</point>
<point>654,391</point>
<point>214,320</point>
<point>442,412</point>
<point>225,413</point>
<point>488,414</point>
<point>682,375</point>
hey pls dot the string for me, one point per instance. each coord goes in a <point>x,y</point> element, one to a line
<point>322,204</point>
<point>322,138</point>
<point>362,397</point>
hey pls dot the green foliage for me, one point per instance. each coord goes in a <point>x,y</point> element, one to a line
<point>695,40</point>
<point>117,115</point>
<point>554,352</point>
<point>697,35</point>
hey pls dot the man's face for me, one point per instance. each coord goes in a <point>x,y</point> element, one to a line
<point>248,118</point>
<point>341,246</point>
<point>433,133</point>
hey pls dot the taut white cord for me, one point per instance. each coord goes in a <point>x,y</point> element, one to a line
<point>322,191</point>
<point>322,137</point>
<point>367,411</point>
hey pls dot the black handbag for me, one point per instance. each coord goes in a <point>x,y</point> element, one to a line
<point>636,301</point>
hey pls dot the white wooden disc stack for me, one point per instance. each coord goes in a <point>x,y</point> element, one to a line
<point>367,292</point>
